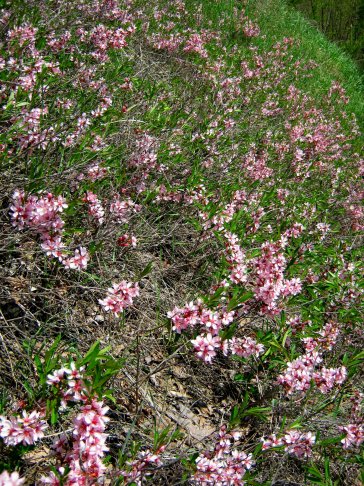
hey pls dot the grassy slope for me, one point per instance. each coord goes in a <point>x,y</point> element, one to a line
<point>334,63</point>
<point>278,20</point>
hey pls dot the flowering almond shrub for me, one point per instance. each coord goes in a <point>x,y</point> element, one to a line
<point>182,248</point>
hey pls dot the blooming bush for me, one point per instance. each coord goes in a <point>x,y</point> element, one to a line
<point>185,188</point>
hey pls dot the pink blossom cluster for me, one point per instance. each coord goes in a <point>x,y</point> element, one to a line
<point>206,346</point>
<point>245,347</point>
<point>84,121</point>
<point>83,452</point>
<point>69,383</point>
<point>337,91</point>
<point>297,324</point>
<point>11,479</point>
<point>248,71</point>
<point>229,89</point>
<point>187,197</point>
<point>57,44</point>
<point>25,429</point>
<point>354,204</point>
<point>30,134</point>
<point>105,103</point>
<point>268,278</point>
<point>82,124</point>
<point>210,323</point>
<point>354,435</point>
<point>325,340</point>
<point>357,401</point>
<point>300,373</point>
<point>41,214</point>
<point>145,158</point>
<point>84,455</point>
<point>354,431</point>
<point>327,378</point>
<point>324,229</point>
<point>77,262</point>
<point>121,210</point>
<point>250,29</point>
<point>224,465</point>
<point>103,39</point>
<point>315,142</point>
<point>271,108</point>
<point>295,443</point>
<point>196,314</point>
<point>95,208</point>
<point>106,10</point>
<point>264,274</point>
<point>255,164</point>
<point>224,215</point>
<point>257,215</point>
<point>126,240</point>
<point>196,43</point>
<point>139,469</point>
<point>24,36</point>
<point>88,443</point>
<point>119,297</point>
<point>95,172</point>
<point>236,258</point>
<point>294,231</point>
<point>169,42</point>
<point>25,60</point>
<point>98,144</point>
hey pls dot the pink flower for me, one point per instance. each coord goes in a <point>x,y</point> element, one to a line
<point>84,452</point>
<point>249,28</point>
<point>119,297</point>
<point>327,378</point>
<point>95,172</point>
<point>354,435</point>
<point>122,210</point>
<point>10,479</point>
<point>271,441</point>
<point>127,240</point>
<point>224,465</point>
<point>79,261</point>
<point>53,246</point>
<point>26,429</point>
<point>56,377</point>
<point>183,318</point>
<point>296,443</point>
<point>245,347</point>
<point>95,207</point>
<point>196,44</point>
<point>205,346</point>
<point>292,287</point>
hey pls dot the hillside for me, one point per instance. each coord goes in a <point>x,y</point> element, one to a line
<point>182,246</point>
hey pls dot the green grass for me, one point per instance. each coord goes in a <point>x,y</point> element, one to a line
<point>276,21</point>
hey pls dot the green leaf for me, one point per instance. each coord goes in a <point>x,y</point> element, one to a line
<point>39,365</point>
<point>326,442</point>
<point>29,389</point>
<point>92,352</point>
<point>239,377</point>
<point>146,271</point>
<point>238,299</point>
<point>229,332</point>
<point>54,412</point>
<point>260,412</point>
